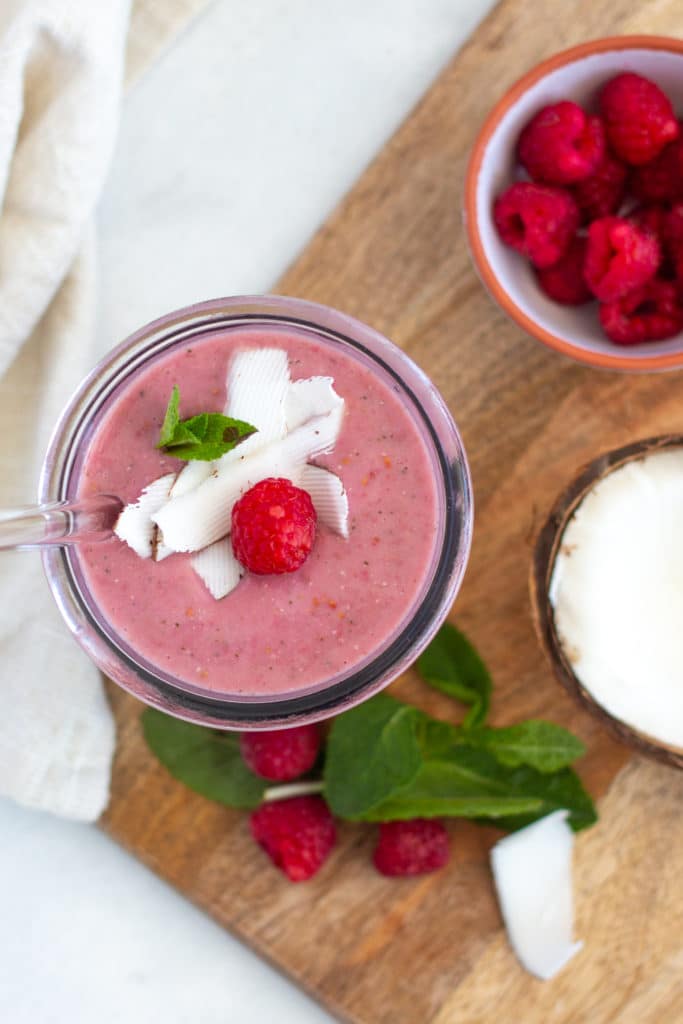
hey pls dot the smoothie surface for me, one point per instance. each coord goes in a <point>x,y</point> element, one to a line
<point>272,634</point>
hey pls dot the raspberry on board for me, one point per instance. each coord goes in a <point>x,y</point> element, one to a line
<point>602,193</point>
<point>660,180</point>
<point>620,256</point>
<point>411,847</point>
<point>297,834</point>
<point>652,312</point>
<point>273,527</point>
<point>281,754</point>
<point>561,144</point>
<point>537,220</point>
<point>564,281</point>
<point>639,118</point>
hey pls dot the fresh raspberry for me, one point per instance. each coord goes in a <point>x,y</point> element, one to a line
<point>650,313</point>
<point>561,144</point>
<point>673,241</point>
<point>602,193</point>
<point>620,257</point>
<point>639,119</point>
<point>273,527</point>
<point>650,217</point>
<point>411,847</point>
<point>297,834</point>
<point>661,180</point>
<point>536,220</point>
<point>564,281</point>
<point>281,754</point>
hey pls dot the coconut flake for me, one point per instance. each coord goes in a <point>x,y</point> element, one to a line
<point>218,568</point>
<point>532,873</point>
<point>328,497</point>
<point>257,385</point>
<point>309,397</point>
<point>191,476</point>
<point>134,525</point>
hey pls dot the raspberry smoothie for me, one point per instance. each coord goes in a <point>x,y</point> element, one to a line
<point>272,634</point>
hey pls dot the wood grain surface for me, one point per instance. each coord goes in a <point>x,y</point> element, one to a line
<point>431,950</point>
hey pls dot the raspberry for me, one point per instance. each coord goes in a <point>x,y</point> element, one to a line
<point>650,313</point>
<point>561,144</point>
<point>273,527</point>
<point>661,180</point>
<point>639,119</point>
<point>673,241</point>
<point>411,847</point>
<point>620,257</point>
<point>602,193</point>
<point>297,834</point>
<point>282,754</point>
<point>536,220</point>
<point>564,281</point>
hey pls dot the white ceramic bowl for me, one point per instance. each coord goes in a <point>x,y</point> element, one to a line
<point>576,74</point>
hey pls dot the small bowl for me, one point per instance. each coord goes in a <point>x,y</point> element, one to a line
<point>576,74</point>
<point>547,546</point>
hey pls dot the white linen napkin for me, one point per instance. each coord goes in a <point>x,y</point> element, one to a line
<point>62,69</point>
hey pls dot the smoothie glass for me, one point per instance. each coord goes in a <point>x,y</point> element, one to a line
<point>160,688</point>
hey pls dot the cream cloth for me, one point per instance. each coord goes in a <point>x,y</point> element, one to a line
<point>63,64</point>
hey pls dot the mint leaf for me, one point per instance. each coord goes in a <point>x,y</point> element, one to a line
<point>541,745</point>
<point>451,664</point>
<point>372,751</point>
<point>171,419</point>
<point>204,437</point>
<point>471,783</point>
<point>206,761</point>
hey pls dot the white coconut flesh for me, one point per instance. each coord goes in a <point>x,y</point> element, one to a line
<point>191,512</point>
<point>617,594</point>
<point>218,568</point>
<point>135,525</point>
<point>532,875</point>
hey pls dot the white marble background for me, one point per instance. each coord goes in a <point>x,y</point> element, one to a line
<point>232,151</point>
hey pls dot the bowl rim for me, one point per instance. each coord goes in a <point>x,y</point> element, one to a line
<point>668,360</point>
<point>547,542</point>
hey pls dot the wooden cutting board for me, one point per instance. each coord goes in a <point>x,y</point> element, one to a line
<point>431,950</point>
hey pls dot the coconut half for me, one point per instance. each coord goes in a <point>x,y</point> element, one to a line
<point>607,593</point>
<point>532,875</point>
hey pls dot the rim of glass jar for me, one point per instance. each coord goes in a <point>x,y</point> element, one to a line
<point>345,690</point>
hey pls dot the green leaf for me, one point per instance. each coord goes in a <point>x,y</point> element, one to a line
<point>471,783</point>
<point>206,761</point>
<point>372,750</point>
<point>171,418</point>
<point>451,664</point>
<point>541,745</point>
<point>204,437</point>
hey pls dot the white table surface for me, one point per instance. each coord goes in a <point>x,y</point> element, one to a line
<point>233,149</point>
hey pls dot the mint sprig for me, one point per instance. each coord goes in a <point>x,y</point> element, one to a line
<point>204,437</point>
<point>386,760</point>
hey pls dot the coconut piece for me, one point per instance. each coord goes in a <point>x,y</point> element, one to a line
<point>329,498</point>
<point>218,568</point>
<point>257,385</point>
<point>191,476</point>
<point>134,525</point>
<point>309,397</point>
<point>203,515</point>
<point>532,874</point>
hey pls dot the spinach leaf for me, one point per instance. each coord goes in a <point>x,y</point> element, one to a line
<point>208,762</point>
<point>451,664</point>
<point>372,750</point>
<point>541,745</point>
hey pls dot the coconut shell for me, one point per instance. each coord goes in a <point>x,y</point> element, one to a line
<point>547,545</point>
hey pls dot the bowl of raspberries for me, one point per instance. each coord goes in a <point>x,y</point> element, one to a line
<point>574,203</point>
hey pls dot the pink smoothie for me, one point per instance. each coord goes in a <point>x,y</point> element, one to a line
<point>272,634</point>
